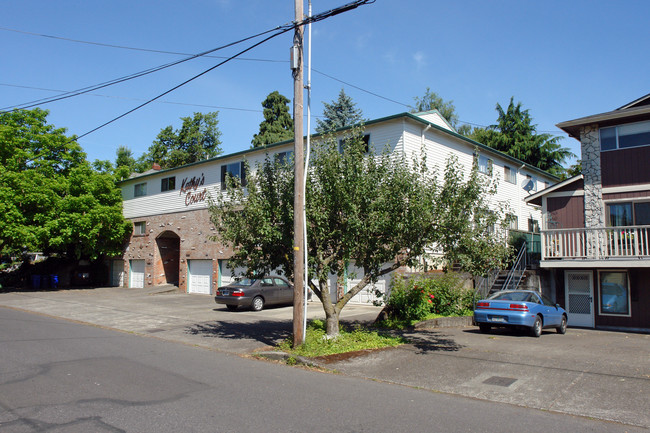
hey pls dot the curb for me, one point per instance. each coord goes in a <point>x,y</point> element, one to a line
<point>445,322</point>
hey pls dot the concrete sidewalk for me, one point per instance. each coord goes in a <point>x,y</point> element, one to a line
<point>604,375</point>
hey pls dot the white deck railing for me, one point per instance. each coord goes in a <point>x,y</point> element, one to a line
<point>596,244</point>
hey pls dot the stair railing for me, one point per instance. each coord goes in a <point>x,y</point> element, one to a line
<point>517,271</point>
<point>486,283</point>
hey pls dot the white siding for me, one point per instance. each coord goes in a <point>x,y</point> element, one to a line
<point>435,118</point>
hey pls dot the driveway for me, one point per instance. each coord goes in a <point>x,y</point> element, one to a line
<point>604,375</point>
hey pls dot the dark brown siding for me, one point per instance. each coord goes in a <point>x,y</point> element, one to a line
<point>639,302</point>
<point>618,195</point>
<point>566,212</point>
<point>625,166</point>
<point>578,185</point>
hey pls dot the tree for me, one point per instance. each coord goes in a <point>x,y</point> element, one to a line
<point>339,114</point>
<point>277,124</point>
<point>50,197</point>
<point>432,101</point>
<point>196,140</point>
<point>378,213</point>
<point>515,135</point>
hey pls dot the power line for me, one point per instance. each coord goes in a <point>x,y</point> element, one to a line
<point>87,89</point>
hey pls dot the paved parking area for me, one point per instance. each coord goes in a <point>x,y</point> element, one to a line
<point>599,374</point>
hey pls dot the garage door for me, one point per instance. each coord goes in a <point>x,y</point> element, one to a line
<point>200,278</point>
<point>117,273</point>
<point>226,276</point>
<point>136,275</point>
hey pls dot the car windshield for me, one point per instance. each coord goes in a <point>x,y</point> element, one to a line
<point>511,296</point>
<point>245,282</point>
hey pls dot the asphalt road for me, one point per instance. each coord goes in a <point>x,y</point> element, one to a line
<point>60,376</point>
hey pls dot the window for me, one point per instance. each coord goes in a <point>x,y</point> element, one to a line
<point>533,225</point>
<point>168,184</point>
<point>236,170</point>
<point>628,214</point>
<point>484,165</point>
<point>513,222</point>
<point>140,189</point>
<point>366,141</point>
<point>140,228</point>
<point>624,136</point>
<point>614,293</point>
<point>284,157</point>
<point>509,175</point>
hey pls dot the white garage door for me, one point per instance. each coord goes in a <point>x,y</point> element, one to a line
<point>200,278</point>
<point>136,276</point>
<point>226,276</point>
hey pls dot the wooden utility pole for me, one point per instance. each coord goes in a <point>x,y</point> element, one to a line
<point>299,170</point>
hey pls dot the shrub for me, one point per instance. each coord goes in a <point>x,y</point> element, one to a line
<point>415,299</point>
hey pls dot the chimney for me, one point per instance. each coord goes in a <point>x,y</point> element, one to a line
<point>155,166</point>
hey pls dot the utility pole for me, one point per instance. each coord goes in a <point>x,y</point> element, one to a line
<point>299,171</point>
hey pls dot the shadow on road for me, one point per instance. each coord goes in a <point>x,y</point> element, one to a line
<point>269,332</point>
<point>431,341</point>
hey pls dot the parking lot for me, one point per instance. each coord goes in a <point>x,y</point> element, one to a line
<point>599,374</point>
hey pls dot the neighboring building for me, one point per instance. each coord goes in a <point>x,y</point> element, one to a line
<point>596,226</point>
<point>169,208</point>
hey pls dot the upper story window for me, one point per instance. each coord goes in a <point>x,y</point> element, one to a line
<point>140,189</point>
<point>484,165</point>
<point>624,136</point>
<point>139,228</point>
<point>509,175</point>
<point>168,184</point>
<point>366,141</point>
<point>628,214</point>
<point>284,157</point>
<point>236,170</point>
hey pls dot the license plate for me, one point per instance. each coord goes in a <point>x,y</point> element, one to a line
<point>498,319</point>
<point>225,293</point>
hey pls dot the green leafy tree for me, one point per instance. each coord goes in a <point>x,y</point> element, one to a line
<point>277,124</point>
<point>42,175</point>
<point>377,213</point>
<point>432,101</point>
<point>125,163</point>
<point>515,135</point>
<point>196,140</point>
<point>339,114</point>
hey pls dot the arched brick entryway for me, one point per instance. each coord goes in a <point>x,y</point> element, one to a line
<point>166,266</point>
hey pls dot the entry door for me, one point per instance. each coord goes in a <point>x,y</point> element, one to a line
<point>200,280</point>
<point>580,298</point>
<point>136,276</point>
<point>117,273</point>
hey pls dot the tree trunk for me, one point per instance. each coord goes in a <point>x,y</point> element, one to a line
<point>332,323</point>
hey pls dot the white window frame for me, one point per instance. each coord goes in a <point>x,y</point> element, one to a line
<point>485,165</point>
<point>139,228</point>
<point>164,186</point>
<point>643,126</point>
<point>512,178</point>
<point>140,189</point>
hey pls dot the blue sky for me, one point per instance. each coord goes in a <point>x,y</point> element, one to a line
<point>561,59</point>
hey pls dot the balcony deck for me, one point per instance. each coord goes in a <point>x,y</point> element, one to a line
<point>596,247</point>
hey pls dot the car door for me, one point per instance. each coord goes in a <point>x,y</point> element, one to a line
<point>285,291</point>
<point>552,314</point>
<point>269,291</point>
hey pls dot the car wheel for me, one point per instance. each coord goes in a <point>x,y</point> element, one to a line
<point>537,327</point>
<point>562,328</point>
<point>484,327</point>
<point>257,304</point>
<point>231,307</point>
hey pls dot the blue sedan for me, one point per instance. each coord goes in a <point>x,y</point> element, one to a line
<point>520,308</point>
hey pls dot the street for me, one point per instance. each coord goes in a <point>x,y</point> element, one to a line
<point>56,375</point>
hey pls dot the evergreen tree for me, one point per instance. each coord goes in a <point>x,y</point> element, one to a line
<point>339,114</point>
<point>277,124</point>
<point>515,135</point>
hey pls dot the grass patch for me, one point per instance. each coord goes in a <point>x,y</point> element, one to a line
<point>349,340</point>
